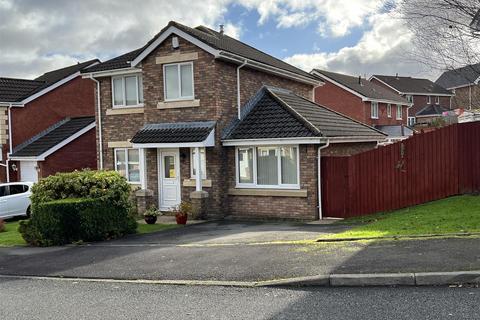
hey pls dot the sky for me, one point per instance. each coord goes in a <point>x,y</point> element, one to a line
<point>358,37</point>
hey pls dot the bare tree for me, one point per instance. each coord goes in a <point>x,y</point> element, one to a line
<point>444,32</point>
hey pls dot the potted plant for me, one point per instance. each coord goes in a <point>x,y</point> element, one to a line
<point>182,211</point>
<point>150,216</point>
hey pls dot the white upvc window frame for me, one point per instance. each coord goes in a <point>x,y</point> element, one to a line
<point>389,110</point>
<point>429,99</point>
<point>138,80</point>
<point>127,162</point>
<point>409,98</point>
<point>437,99</point>
<point>255,185</point>
<point>411,121</point>
<point>180,98</point>
<point>374,109</point>
<point>192,163</point>
<point>398,112</point>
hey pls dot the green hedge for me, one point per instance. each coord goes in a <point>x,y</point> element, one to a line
<point>109,186</point>
<point>69,220</point>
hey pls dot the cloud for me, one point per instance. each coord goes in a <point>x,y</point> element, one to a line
<point>381,50</point>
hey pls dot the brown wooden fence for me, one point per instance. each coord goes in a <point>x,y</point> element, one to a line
<point>425,167</point>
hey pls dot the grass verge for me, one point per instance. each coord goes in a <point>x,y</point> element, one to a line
<point>149,228</point>
<point>459,214</point>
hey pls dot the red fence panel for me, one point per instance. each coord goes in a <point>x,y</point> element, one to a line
<point>423,168</point>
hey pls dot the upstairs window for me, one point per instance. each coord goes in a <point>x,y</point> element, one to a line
<point>127,91</point>
<point>178,81</point>
<point>399,112</point>
<point>374,110</point>
<point>410,98</point>
<point>437,100</point>
<point>389,110</point>
<point>429,100</point>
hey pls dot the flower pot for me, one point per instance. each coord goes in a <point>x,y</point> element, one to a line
<point>150,219</point>
<point>181,219</point>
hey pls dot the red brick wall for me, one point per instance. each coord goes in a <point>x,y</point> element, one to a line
<point>347,149</point>
<point>78,154</point>
<point>462,97</point>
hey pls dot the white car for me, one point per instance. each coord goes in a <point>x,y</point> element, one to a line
<point>15,199</point>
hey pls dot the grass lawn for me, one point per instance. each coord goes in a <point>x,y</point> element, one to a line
<point>452,215</point>
<point>11,236</point>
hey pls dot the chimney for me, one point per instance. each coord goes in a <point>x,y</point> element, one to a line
<point>360,80</point>
<point>221,29</point>
<point>396,75</point>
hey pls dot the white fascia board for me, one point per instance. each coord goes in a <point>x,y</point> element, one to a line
<point>432,94</point>
<point>278,141</point>
<point>109,73</point>
<point>373,77</point>
<point>165,35</point>
<point>57,146</point>
<point>13,104</point>
<point>388,101</point>
<point>50,88</point>
<point>208,142</point>
<point>461,86</point>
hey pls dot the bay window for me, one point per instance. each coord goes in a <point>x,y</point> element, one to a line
<point>127,163</point>
<point>268,167</point>
<point>193,163</point>
<point>178,81</point>
<point>127,91</point>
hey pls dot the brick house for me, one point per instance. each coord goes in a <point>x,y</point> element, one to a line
<point>179,118</point>
<point>429,100</point>
<point>464,84</point>
<point>47,124</point>
<point>364,101</point>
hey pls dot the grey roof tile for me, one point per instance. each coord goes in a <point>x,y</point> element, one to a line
<point>431,110</point>
<point>412,85</point>
<point>52,136</point>
<point>459,77</point>
<point>363,87</point>
<point>395,130</point>
<point>174,132</point>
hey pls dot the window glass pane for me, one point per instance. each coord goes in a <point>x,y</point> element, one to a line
<point>133,166</point>
<point>16,189</point>
<point>389,110</point>
<point>289,165</point>
<point>171,82</point>
<point>245,165</point>
<point>169,167</point>
<point>118,91</point>
<point>120,165</point>
<point>194,163</point>
<point>140,89</point>
<point>131,90</point>
<point>267,166</point>
<point>3,191</point>
<point>187,85</point>
<point>399,112</point>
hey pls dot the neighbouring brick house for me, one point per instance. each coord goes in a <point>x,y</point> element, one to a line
<point>47,125</point>
<point>429,100</point>
<point>364,101</point>
<point>170,121</point>
<point>464,83</point>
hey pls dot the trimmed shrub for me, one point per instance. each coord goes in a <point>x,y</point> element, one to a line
<point>109,186</point>
<point>69,220</point>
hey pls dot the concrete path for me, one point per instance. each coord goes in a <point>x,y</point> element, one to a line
<point>206,252</point>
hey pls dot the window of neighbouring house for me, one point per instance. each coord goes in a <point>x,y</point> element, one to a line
<point>374,110</point>
<point>411,121</point>
<point>178,81</point>
<point>409,98</point>
<point>437,100</point>
<point>127,91</point>
<point>127,163</point>
<point>268,167</point>
<point>193,162</point>
<point>399,112</point>
<point>429,99</point>
<point>389,110</point>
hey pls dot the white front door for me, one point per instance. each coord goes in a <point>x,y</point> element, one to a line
<point>169,178</point>
<point>28,171</point>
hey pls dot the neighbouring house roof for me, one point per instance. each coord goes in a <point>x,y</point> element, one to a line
<point>213,39</point>
<point>279,113</point>
<point>412,85</point>
<point>16,90</point>
<point>361,86</point>
<point>459,77</point>
<point>395,131</point>
<point>432,110</point>
<point>178,132</point>
<point>53,136</point>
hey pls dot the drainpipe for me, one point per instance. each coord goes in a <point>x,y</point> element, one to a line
<point>238,87</point>
<point>320,213</point>
<point>99,111</point>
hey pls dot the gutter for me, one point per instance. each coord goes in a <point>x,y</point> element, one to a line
<point>99,111</point>
<point>320,212</point>
<point>238,88</point>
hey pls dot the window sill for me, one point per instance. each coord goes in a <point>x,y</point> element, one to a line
<point>192,183</point>
<point>302,193</point>
<point>178,104</point>
<point>130,110</point>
